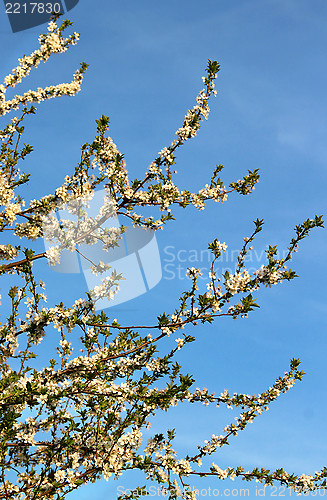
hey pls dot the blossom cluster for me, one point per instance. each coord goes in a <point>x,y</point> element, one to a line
<point>51,43</point>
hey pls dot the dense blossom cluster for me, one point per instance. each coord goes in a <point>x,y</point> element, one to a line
<point>51,43</point>
<point>82,417</point>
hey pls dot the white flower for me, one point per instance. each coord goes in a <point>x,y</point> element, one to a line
<point>180,343</point>
<point>53,255</point>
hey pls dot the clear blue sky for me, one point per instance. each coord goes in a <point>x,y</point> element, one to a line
<point>146,61</point>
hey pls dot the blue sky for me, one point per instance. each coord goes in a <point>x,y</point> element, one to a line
<point>146,61</point>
